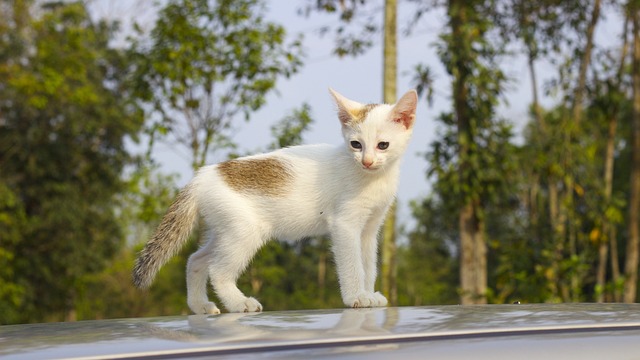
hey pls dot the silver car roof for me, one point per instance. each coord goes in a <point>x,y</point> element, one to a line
<point>585,331</point>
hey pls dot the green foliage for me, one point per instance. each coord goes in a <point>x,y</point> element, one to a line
<point>544,204</point>
<point>358,26</point>
<point>288,132</point>
<point>207,62</point>
<point>64,121</point>
<point>427,265</point>
<point>12,222</point>
<point>471,156</point>
<point>146,198</point>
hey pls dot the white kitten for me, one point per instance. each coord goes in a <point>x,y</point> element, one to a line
<point>290,194</point>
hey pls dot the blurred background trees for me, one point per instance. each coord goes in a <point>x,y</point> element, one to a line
<point>65,115</point>
<point>204,63</point>
<point>547,215</point>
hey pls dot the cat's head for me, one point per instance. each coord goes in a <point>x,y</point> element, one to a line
<point>376,134</point>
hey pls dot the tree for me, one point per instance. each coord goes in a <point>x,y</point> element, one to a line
<point>111,293</point>
<point>610,97</point>
<point>476,84</point>
<point>12,221</point>
<point>633,242</point>
<point>389,267</point>
<point>428,269</point>
<point>207,62</point>
<point>358,28</point>
<point>64,118</point>
<point>288,132</point>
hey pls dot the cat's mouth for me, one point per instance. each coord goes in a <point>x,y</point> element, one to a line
<point>370,168</point>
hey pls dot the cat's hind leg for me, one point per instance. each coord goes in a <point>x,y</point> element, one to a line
<point>197,275</point>
<point>234,251</point>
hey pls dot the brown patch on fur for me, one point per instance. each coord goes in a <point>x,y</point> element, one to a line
<point>355,116</point>
<point>269,176</point>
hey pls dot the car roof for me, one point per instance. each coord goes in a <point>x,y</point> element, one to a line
<point>585,331</point>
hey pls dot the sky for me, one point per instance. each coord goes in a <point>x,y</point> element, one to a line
<point>357,78</point>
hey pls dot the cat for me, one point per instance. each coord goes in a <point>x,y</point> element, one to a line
<point>289,194</point>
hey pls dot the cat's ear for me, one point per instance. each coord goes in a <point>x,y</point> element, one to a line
<point>347,109</point>
<point>404,111</point>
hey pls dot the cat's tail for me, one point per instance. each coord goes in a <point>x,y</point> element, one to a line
<point>171,235</point>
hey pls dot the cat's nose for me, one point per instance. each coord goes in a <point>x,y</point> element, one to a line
<point>367,162</point>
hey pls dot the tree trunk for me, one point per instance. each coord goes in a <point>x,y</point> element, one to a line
<point>631,265</point>
<point>537,113</point>
<point>615,264</point>
<point>584,63</point>
<point>567,215</point>
<point>601,273</point>
<point>473,270</point>
<point>558,243</point>
<point>389,267</point>
<point>473,257</point>
<point>608,229</point>
<point>322,273</point>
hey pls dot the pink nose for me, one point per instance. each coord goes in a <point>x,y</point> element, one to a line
<point>367,163</point>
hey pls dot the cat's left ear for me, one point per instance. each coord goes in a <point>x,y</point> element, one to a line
<point>404,111</point>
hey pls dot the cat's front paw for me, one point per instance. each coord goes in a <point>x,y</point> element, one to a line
<point>381,300</point>
<point>206,308</point>
<point>367,299</point>
<point>247,305</point>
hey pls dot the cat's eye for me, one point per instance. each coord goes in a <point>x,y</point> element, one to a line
<point>356,145</point>
<point>383,145</point>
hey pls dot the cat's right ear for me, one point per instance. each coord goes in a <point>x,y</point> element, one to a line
<point>347,109</point>
<point>404,111</point>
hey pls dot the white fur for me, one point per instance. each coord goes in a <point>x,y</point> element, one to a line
<point>332,192</point>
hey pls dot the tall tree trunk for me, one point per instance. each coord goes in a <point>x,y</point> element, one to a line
<point>322,272</point>
<point>558,243</point>
<point>473,256</point>
<point>601,272</point>
<point>608,229</point>
<point>568,229</point>
<point>473,270</point>
<point>631,265</point>
<point>389,266</point>
<point>615,264</point>
<point>603,247</point>
<point>584,63</point>
<point>534,216</point>
<point>537,113</point>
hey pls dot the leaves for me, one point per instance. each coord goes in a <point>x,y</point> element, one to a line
<point>207,63</point>
<point>65,119</point>
<point>357,29</point>
<point>288,132</point>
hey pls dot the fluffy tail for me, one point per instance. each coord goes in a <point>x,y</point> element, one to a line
<point>172,233</point>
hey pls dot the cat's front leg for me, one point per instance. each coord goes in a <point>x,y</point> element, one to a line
<point>370,255</point>
<point>370,276</point>
<point>347,249</point>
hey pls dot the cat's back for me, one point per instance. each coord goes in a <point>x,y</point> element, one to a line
<point>274,172</point>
